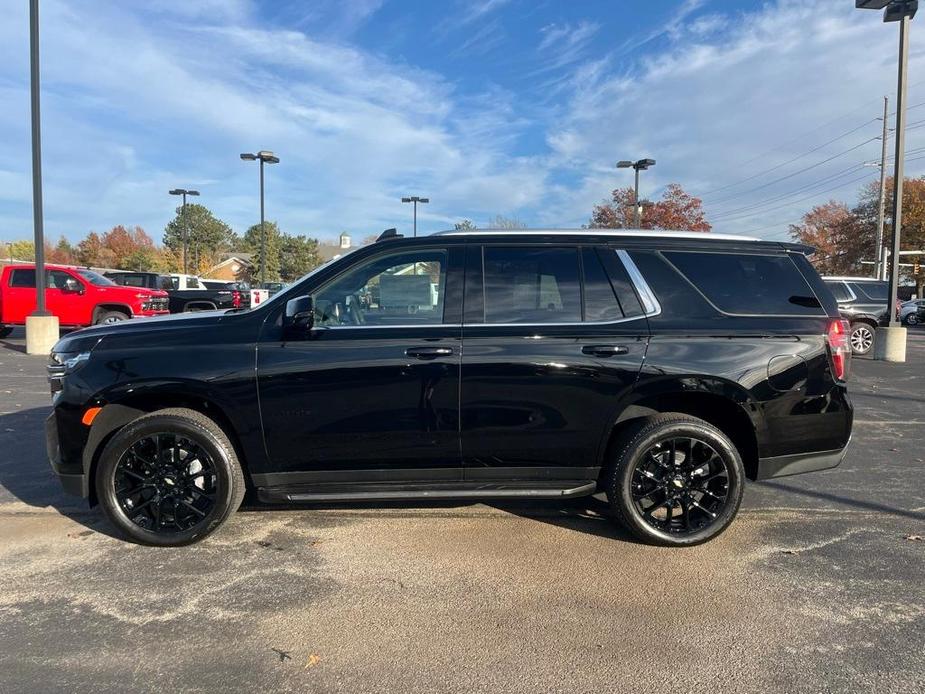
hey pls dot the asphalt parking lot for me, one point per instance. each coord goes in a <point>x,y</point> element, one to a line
<point>817,587</point>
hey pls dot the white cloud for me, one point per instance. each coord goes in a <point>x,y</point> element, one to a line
<point>711,102</point>
<point>134,108</point>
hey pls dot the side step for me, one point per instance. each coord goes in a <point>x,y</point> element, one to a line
<point>560,489</point>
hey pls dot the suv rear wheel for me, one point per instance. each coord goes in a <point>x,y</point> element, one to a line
<point>862,337</point>
<point>675,480</point>
<point>169,478</point>
<point>5,330</point>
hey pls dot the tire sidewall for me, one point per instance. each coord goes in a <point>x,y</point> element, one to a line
<point>862,326</point>
<point>703,432</point>
<point>125,438</point>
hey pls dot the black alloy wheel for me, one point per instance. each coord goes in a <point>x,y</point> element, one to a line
<point>169,478</point>
<point>166,482</point>
<point>674,480</point>
<point>680,485</point>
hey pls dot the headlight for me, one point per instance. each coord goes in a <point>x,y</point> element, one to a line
<point>66,362</point>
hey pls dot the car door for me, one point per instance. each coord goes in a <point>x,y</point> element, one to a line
<point>19,295</point>
<point>373,393</point>
<point>63,302</point>
<point>552,342</point>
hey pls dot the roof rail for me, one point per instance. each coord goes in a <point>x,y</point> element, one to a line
<point>389,234</point>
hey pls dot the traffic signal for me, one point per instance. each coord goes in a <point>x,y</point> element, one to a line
<point>916,267</point>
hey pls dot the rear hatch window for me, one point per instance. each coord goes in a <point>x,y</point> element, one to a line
<point>748,284</point>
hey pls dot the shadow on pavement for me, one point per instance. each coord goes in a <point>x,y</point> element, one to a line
<point>26,476</point>
<point>868,505</point>
<point>6,344</point>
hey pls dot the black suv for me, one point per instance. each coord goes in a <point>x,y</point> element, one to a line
<point>862,301</point>
<point>662,369</point>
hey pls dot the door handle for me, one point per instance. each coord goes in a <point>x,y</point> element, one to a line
<point>428,352</point>
<point>604,350</point>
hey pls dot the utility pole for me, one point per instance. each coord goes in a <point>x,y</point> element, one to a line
<point>881,251</point>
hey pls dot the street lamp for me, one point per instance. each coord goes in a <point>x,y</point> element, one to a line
<point>184,193</point>
<point>639,165</point>
<point>415,199</point>
<point>264,157</point>
<point>891,345</point>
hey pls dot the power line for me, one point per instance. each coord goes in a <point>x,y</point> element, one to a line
<point>789,161</point>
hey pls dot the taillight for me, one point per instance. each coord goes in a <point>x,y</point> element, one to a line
<point>840,348</point>
<point>236,299</point>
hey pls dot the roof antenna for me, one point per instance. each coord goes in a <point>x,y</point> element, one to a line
<point>389,234</point>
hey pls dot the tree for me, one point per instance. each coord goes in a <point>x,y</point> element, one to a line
<point>677,210</point>
<point>208,235</point>
<point>465,225</point>
<point>297,256</point>
<point>502,222</point>
<point>840,238</point>
<point>63,252</point>
<point>20,250</point>
<point>252,242</point>
<point>92,251</point>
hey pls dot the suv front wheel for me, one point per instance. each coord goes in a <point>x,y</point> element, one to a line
<point>169,478</point>
<point>675,480</point>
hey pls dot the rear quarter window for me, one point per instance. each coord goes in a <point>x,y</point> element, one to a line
<point>748,284</point>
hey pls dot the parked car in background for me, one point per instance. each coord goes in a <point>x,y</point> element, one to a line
<point>912,312</point>
<point>77,296</point>
<point>185,292</point>
<point>662,369</point>
<point>241,287</point>
<point>273,287</point>
<point>148,280</point>
<point>862,302</point>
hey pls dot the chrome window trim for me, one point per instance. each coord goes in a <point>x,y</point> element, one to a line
<point>650,305</point>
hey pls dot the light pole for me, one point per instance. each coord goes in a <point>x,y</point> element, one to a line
<point>41,326</point>
<point>184,193</point>
<point>637,166</point>
<point>415,199</point>
<point>264,157</point>
<point>891,345</point>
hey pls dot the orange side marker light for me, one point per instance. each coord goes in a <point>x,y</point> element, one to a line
<point>90,415</point>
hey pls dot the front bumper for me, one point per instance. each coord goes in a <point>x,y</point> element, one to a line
<point>72,478</point>
<point>798,463</point>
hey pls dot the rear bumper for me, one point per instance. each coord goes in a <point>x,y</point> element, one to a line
<point>72,478</point>
<point>798,463</point>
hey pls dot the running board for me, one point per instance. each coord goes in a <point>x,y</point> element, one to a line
<point>281,495</point>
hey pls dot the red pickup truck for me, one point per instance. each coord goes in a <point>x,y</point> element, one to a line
<point>78,296</point>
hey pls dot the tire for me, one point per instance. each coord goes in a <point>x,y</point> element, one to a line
<point>862,337</point>
<point>168,488</point>
<point>5,331</point>
<point>109,317</point>
<point>684,509</point>
<point>911,319</point>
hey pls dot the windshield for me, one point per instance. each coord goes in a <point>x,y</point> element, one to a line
<point>96,278</point>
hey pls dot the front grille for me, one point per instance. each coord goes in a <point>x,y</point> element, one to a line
<point>55,374</point>
<point>156,304</point>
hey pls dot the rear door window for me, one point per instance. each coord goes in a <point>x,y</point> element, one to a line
<point>532,285</point>
<point>839,291</point>
<point>601,304</point>
<point>875,291</point>
<point>23,278</point>
<point>748,284</point>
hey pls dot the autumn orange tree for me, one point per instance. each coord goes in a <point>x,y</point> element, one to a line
<point>844,236</point>
<point>676,210</point>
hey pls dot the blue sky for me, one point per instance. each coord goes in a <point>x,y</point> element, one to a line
<point>510,107</point>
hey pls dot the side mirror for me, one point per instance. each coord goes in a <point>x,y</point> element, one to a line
<point>72,286</point>
<point>300,316</point>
